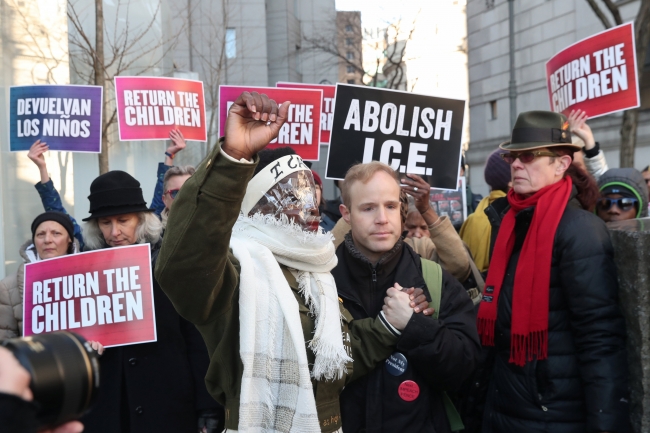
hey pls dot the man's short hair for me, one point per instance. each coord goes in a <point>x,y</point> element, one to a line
<point>647,168</point>
<point>362,173</point>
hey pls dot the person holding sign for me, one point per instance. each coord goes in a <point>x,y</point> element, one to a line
<point>52,236</point>
<point>243,258</point>
<point>49,195</point>
<point>52,200</point>
<point>448,248</point>
<point>161,199</point>
<point>549,318</point>
<point>147,387</point>
<point>591,159</point>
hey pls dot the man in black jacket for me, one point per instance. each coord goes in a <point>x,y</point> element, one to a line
<point>549,316</point>
<point>432,355</point>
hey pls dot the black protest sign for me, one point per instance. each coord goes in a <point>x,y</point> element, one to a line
<point>412,133</point>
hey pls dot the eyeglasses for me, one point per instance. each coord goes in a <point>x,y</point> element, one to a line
<point>624,203</point>
<point>172,193</point>
<point>525,157</point>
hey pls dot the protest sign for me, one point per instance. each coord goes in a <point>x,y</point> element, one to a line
<point>149,107</point>
<point>597,74</point>
<point>412,133</point>
<point>451,203</point>
<point>104,295</point>
<point>327,107</point>
<point>67,118</point>
<point>302,129</point>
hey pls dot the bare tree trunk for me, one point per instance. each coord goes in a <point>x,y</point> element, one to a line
<point>100,80</point>
<point>628,137</point>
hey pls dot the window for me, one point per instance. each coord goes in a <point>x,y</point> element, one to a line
<point>350,69</point>
<point>493,110</point>
<point>350,81</point>
<point>348,28</point>
<point>349,55</point>
<point>348,41</point>
<point>231,43</point>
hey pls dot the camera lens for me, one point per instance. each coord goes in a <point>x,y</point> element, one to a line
<point>65,374</point>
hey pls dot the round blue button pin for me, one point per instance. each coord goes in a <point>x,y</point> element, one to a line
<point>396,364</point>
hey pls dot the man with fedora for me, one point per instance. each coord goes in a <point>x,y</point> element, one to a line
<point>549,315</point>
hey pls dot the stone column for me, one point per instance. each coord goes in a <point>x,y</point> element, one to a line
<point>631,241</point>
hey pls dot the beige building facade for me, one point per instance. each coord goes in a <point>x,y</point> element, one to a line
<point>542,28</point>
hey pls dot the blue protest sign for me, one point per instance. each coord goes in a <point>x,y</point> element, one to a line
<point>66,117</point>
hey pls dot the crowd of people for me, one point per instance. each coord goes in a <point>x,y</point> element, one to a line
<point>277,310</point>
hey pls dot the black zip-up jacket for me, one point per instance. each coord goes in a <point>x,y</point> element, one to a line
<point>440,353</point>
<point>582,386</point>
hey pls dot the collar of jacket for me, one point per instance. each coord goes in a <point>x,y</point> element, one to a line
<point>354,273</point>
<point>499,207</point>
<point>386,262</point>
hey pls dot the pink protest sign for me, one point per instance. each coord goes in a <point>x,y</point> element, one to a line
<point>104,295</point>
<point>597,74</point>
<point>302,129</point>
<point>327,114</point>
<point>149,107</point>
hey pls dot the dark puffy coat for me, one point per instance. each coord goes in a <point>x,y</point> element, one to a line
<point>440,353</point>
<point>153,387</point>
<point>582,386</point>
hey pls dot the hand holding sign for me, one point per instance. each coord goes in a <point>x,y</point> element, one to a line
<point>578,124</point>
<point>253,121</point>
<point>178,142</point>
<point>419,189</point>
<point>36,155</point>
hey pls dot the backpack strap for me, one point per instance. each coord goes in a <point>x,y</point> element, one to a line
<point>432,273</point>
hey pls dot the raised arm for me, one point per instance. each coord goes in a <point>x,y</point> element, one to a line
<point>595,161</point>
<point>178,144</point>
<point>449,246</point>
<point>49,195</point>
<point>194,267</point>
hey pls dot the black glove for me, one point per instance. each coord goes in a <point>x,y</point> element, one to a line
<point>211,420</point>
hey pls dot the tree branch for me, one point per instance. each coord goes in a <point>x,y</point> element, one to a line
<point>599,13</point>
<point>614,11</point>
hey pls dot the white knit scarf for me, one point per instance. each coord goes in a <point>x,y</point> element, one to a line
<point>276,390</point>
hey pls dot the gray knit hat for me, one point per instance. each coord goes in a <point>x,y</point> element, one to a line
<point>631,179</point>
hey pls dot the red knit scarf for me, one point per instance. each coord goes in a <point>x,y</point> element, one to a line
<point>530,299</point>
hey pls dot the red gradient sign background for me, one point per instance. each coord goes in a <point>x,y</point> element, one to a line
<point>104,295</point>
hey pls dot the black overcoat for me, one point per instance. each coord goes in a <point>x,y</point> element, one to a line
<point>582,386</point>
<point>153,387</point>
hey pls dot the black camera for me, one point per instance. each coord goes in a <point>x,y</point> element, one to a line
<point>65,374</point>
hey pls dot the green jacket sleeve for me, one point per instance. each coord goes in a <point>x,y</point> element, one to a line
<point>195,267</point>
<point>371,344</point>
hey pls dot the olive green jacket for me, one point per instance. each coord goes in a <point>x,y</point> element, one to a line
<point>198,272</point>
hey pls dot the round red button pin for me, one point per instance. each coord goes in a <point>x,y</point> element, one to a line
<point>408,390</point>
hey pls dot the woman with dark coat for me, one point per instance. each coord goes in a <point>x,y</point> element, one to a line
<point>148,387</point>
<point>549,314</point>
